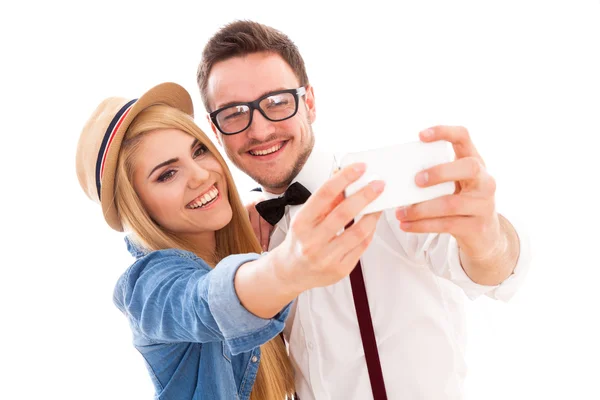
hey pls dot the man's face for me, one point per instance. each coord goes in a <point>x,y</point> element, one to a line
<point>271,153</point>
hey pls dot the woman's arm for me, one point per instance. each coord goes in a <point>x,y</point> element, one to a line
<point>314,252</point>
<point>173,296</point>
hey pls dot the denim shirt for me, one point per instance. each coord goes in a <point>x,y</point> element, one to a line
<point>197,339</point>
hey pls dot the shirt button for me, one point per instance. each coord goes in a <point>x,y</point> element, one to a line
<point>254,359</point>
<point>310,346</point>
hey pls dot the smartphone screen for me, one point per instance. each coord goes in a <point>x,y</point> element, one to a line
<point>398,165</point>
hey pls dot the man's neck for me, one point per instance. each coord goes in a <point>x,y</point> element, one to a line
<point>315,171</point>
<point>277,190</point>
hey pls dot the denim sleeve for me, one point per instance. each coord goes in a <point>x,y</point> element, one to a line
<point>172,297</point>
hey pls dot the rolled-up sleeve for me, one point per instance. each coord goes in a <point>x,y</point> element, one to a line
<point>241,328</point>
<point>172,296</point>
<point>441,254</point>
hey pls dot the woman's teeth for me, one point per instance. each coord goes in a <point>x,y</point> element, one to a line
<point>206,198</point>
<point>267,151</point>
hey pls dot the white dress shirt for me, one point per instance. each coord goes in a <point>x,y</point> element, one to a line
<point>415,285</point>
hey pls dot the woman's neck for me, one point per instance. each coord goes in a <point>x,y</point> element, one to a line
<point>203,244</point>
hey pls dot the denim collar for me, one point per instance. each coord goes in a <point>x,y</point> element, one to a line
<point>134,248</point>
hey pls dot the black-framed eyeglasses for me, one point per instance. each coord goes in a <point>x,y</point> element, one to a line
<point>274,106</point>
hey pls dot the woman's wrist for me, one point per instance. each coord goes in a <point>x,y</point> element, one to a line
<point>277,265</point>
<point>259,288</point>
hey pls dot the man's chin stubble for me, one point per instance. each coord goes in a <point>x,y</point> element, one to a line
<point>277,184</point>
<point>283,182</point>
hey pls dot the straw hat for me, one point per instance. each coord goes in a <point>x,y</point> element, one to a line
<point>100,142</point>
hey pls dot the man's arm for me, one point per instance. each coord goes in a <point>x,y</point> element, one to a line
<point>489,245</point>
<point>495,267</point>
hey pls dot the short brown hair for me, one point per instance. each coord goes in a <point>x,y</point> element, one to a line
<point>240,38</point>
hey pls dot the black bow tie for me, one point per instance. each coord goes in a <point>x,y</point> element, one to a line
<point>272,210</point>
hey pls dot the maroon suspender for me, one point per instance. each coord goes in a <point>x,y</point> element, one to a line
<point>367,334</point>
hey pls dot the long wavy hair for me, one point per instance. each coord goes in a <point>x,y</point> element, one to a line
<point>275,378</point>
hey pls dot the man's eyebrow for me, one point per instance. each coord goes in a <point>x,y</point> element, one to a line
<point>231,103</point>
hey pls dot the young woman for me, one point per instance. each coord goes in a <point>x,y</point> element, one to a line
<point>204,306</point>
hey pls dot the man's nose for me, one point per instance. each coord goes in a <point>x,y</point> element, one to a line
<point>260,128</point>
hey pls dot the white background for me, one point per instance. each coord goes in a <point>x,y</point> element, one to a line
<point>522,76</point>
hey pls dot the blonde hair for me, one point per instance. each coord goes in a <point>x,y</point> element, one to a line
<point>274,379</point>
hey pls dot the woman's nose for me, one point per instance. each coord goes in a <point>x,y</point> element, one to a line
<point>198,176</point>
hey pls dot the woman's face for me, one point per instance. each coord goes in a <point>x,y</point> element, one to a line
<point>181,184</point>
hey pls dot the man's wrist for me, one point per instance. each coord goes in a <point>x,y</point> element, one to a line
<point>481,247</point>
<point>498,261</point>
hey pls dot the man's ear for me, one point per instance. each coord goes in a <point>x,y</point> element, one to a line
<point>214,129</point>
<point>309,99</point>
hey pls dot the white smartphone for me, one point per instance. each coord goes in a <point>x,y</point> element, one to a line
<point>398,166</point>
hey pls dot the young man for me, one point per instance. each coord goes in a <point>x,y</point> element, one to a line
<point>261,106</point>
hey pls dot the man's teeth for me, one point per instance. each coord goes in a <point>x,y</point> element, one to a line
<point>267,151</point>
<point>206,198</point>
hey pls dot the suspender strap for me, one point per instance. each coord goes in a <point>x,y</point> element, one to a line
<point>367,334</point>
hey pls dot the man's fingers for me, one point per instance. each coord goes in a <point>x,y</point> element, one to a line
<point>446,206</point>
<point>457,135</point>
<point>456,225</point>
<point>462,169</point>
